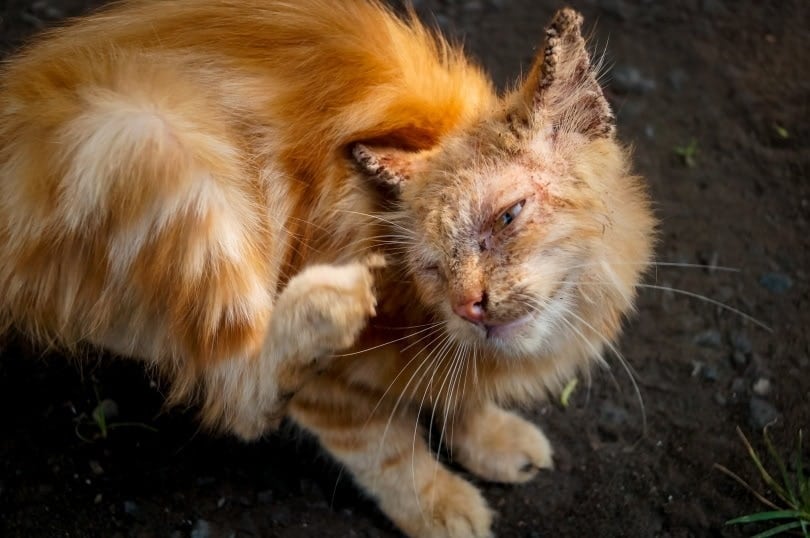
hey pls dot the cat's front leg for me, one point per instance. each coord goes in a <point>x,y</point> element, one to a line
<point>499,445</point>
<point>387,455</point>
<point>321,310</point>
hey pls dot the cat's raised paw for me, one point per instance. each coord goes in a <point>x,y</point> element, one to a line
<point>501,446</point>
<point>326,306</point>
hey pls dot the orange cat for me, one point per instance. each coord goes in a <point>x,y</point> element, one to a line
<point>228,190</point>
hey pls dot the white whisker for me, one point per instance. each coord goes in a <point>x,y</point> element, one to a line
<point>627,368</point>
<point>711,301</point>
<point>442,354</point>
<point>439,401</point>
<point>403,369</point>
<point>381,219</point>
<point>380,345</point>
<point>665,264</point>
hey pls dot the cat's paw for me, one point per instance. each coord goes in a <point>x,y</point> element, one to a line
<point>500,446</point>
<point>325,307</point>
<point>449,507</point>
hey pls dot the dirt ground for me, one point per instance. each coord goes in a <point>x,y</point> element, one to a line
<point>714,96</point>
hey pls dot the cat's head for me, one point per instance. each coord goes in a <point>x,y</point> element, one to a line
<point>526,230</point>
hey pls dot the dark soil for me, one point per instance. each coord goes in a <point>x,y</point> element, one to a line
<point>731,76</point>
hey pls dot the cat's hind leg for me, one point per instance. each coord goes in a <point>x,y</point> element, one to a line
<point>388,457</point>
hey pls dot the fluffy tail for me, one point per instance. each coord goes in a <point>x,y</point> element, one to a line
<point>125,208</point>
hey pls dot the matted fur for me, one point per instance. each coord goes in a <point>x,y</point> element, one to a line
<point>208,186</point>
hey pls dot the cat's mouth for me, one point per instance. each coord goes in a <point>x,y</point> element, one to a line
<point>500,333</point>
<point>508,329</point>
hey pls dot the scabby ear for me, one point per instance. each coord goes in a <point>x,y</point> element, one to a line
<point>562,85</point>
<point>389,167</point>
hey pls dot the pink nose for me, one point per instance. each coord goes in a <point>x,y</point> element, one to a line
<point>470,308</point>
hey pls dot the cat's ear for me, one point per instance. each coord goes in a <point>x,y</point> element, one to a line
<point>388,167</point>
<point>562,86</point>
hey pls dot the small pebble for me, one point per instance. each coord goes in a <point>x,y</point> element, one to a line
<point>42,7</point>
<point>762,387</point>
<point>108,409</point>
<point>719,398</point>
<point>741,343</point>
<point>761,412</point>
<point>613,414</point>
<point>709,338</point>
<point>443,21</point>
<point>713,7</point>
<point>739,358</point>
<point>610,421</point>
<point>738,386</point>
<point>98,498</point>
<point>95,467</point>
<point>280,515</point>
<point>201,529</point>
<point>710,373</point>
<point>677,79</point>
<point>131,508</point>
<point>776,282</point>
<point>205,480</point>
<point>615,8</point>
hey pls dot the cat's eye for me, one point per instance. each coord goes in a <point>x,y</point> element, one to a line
<point>432,270</point>
<point>507,217</point>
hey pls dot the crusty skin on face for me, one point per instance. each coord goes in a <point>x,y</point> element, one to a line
<point>230,191</point>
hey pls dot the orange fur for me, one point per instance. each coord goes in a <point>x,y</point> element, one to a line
<point>200,185</point>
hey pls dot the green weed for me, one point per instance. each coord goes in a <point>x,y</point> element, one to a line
<point>97,425</point>
<point>791,512</point>
<point>688,153</point>
<point>781,132</point>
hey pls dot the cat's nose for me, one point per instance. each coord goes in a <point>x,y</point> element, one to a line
<point>470,308</point>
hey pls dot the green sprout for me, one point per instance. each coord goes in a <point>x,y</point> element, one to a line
<point>688,153</point>
<point>565,396</point>
<point>99,421</point>
<point>781,132</point>
<point>793,491</point>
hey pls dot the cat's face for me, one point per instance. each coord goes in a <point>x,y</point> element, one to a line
<point>526,229</point>
<point>501,241</point>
